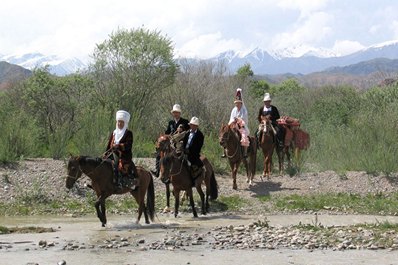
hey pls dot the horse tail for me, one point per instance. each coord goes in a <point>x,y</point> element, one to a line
<point>213,187</point>
<point>150,199</point>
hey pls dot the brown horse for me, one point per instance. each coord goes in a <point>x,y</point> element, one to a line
<point>296,140</point>
<point>101,174</point>
<point>230,139</point>
<point>175,170</point>
<point>267,145</point>
<point>163,147</point>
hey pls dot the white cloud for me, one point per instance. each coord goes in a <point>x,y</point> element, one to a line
<point>344,47</point>
<point>198,28</point>
<point>394,28</point>
<point>209,45</point>
<point>311,31</point>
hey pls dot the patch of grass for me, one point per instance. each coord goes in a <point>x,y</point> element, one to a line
<point>24,230</point>
<point>368,204</point>
<point>4,230</point>
<point>264,198</point>
<point>232,203</point>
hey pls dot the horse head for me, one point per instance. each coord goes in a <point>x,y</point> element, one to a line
<point>74,171</point>
<point>165,165</point>
<point>223,134</point>
<point>227,133</point>
<point>163,143</point>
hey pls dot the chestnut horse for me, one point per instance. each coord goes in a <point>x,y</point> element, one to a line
<point>175,170</point>
<point>101,174</point>
<point>267,145</point>
<point>163,147</point>
<point>230,139</point>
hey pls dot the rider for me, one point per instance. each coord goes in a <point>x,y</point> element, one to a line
<point>271,112</point>
<point>172,128</point>
<point>193,142</point>
<point>119,149</point>
<point>239,117</point>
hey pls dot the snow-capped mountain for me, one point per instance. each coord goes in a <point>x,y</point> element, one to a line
<point>57,65</point>
<point>300,51</point>
<point>302,59</point>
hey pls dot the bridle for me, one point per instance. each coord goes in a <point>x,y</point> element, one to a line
<point>81,171</point>
<point>226,140</point>
<point>171,167</point>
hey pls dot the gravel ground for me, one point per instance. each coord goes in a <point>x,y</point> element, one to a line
<point>49,175</point>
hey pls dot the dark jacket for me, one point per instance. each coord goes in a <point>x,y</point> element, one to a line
<point>172,126</point>
<point>194,148</point>
<point>124,148</point>
<point>274,113</point>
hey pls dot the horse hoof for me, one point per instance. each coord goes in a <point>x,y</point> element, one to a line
<point>103,225</point>
<point>235,187</point>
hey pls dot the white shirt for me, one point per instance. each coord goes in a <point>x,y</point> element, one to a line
<point>243,114</point>
<point>267,109</point>
<point>191,134</point>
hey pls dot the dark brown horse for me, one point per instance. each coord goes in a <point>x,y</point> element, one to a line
<point>267,145</point>
<point>163,147</point>
<point>101,174</point>
<point>175,170</point>
<point>230,139</point>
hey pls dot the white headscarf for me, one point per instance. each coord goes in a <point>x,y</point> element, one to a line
<point>121,115</point>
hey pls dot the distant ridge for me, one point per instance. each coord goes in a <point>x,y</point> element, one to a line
<point>11,73</point>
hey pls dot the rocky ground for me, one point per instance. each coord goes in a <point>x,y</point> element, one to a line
<point>214,233</point>
<point>48,176</point>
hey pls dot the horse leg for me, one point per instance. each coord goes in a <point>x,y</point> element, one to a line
<point>100,208</point>
<point>234,172</point>
<point>246,164</point>
<point>191,202</point>
<point>176,201</point>
<point>167,209</point>
<point>281,157</point>
<point>201,194</point>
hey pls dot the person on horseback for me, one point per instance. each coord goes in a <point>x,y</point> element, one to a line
<point>240,118</point>
<point>177,120</point>
<point>192,143</point>
<point>119,149</point>
<point>270,112</point>
<point>176,125</point>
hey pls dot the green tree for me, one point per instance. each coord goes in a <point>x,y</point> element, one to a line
<point>131,67</point>
<point>258,88</point>
<point>244,74</point>
<point>55,104</point>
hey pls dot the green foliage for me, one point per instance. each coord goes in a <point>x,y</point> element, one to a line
<point>364,204</point>
<point>259,88</point>
<point>131,67</point>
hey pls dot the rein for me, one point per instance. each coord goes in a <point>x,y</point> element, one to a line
<point>237,147</point>
<point>80,169</point>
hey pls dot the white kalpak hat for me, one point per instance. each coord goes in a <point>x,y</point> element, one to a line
<point>267,97</point>
<point>176,108</point>
<point>194,121</point>
<point>122,115</point>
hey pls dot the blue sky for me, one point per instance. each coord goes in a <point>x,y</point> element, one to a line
<point>197,28</point>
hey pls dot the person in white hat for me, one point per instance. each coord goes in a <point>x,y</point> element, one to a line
<point>193,142</point>
<point>268,111</point>
<point>177,120</point>
<point>176,125</point>
<point>119,149</point>
<point>240,117</point>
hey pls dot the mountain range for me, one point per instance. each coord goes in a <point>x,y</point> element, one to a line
<point>295,60</point>
<point>314,60</point>
<point>57,65</point>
